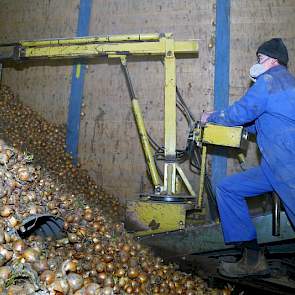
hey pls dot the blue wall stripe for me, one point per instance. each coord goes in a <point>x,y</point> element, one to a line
<point>77,86</point>
<point>221,80</point>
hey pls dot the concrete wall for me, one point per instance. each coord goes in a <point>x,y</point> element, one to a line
<point>109,146</point>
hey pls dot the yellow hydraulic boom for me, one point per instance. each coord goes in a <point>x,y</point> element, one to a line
<point>123,46</point>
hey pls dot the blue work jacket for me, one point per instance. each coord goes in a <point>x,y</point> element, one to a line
<point>268,107</point>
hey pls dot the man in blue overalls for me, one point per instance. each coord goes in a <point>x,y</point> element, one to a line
<point>268,109</point>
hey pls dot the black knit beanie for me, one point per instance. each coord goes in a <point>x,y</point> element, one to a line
<point>275,48</point>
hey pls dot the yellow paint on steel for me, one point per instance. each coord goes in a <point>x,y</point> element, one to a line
<point>158,217</point>
<point>222,135</point>
<point>123,45</point>
<point>145,143</point>
<point>202,176</point>
<point>78,71</point>
<point>91,50</point>
<point>170,116</point>
<point>91,39</point>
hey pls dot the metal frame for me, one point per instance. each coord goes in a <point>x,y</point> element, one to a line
<point>122,46</point>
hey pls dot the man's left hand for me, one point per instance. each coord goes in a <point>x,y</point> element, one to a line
<point>205,116</point>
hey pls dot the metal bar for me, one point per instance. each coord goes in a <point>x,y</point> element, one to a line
<point>146,145</point>
<point>89,50</point>
<point>142,130</point>
<point>276,215</point>
<point>128,79</point>
<point>202,176</point>
<point>185,181</point>
<point>77,86</point>
<point>88,39</point>
<point>170,117</point>
<point>221,80</point>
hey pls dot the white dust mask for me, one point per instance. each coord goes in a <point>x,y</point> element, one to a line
<point>256,70</point>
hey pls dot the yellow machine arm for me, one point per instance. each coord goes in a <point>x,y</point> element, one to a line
<point>122,46</point>
<point>166,208</point>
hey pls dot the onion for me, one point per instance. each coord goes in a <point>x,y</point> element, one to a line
<point>81,292</point>
<point>15,290</point>
<point>108,258</point>
<point>40,265</point>
<point>75,281</point>
<point>2,237</point>
<point>132,273</point>
<point>6,211</point>
<point>109,281</point>
<point>107,291</point>
<point>30,255</point>
<point>120,272</point>
<point>23,174</point>
<point>7,237</point>
<point>101,277</point>
<point>87,280</point>
<point>88,216</point>
<point>129,290</point>
<point>6,253</point>
<point>100,267</point>
<point>2,260</point>
<point>19,246</point>
<point>98,247</point>
<point>92,289</point>
<point>73,238</point>
<point>47,277</point>
<point>5,272</point>
<point>60,285</point>
<point>142,277</point>
<point>13,221</point>
<point>29,288</point>
<point>69,266</point>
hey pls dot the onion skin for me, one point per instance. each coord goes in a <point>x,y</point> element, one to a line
<point>6,211</point>
<point>5,272</point>
<point>30,255</point>
<point>92,289</point>
<point>40,265</point>
<point>69,266</point>
<point>75,281</point>
<point>48,277</point>
<point>19,246</point>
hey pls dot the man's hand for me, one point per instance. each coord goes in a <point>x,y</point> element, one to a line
<point>205,116</point>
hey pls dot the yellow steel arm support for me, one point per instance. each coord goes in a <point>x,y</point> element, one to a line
<point>86,50</point>
<point>170,118</point>
<point>92,39</point>
<point>162,45</point>
<point>145,143</point>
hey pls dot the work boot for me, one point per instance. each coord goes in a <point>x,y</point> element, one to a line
<point>252,263</point>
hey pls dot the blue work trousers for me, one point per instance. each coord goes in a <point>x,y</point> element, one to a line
<point>231,194</point>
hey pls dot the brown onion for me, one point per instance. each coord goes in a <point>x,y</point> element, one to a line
<point>92,289</point>
<point>5,211</point>
<point>75,281</point>
<point>30,255</point>
<point>19,246</point>
<point>48,277</point>
<point>69,266</point>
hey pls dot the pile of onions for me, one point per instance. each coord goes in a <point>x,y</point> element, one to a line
<point>97,256</point>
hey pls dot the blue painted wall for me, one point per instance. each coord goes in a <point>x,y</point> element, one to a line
<point>221,80</point>
<point>77,86</point>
